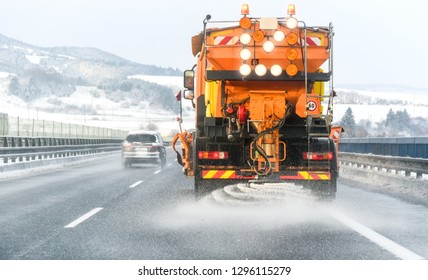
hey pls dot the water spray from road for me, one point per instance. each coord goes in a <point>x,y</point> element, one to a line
<point>244,207</point>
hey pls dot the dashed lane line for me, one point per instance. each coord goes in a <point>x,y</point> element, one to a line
<point>157,172</point>
<point>84,217</point>
<point>389,245</point>
<point>136,184</point>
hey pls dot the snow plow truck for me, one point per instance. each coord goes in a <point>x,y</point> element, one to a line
<point>262,89</point>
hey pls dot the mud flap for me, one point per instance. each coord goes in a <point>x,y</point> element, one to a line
<point>179,158</point>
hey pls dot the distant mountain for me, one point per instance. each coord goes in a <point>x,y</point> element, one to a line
<point>89,64</point>
<point>35,72</point>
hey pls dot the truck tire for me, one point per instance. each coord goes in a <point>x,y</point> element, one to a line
<point>324,190</point>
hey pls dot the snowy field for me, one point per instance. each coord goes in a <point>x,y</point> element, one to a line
<point>109,114</point>
<point>416,104</point>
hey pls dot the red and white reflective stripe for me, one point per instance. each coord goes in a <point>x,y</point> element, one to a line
<point>313,41</point>
<point>226,40</point>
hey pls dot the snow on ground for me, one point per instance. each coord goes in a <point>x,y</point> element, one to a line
<point>111,115</point>
<point>49,165</point>
<point>411,96</point>
<point>376,113</point>
<point>174,81</point>
<point>108,114</point>
<point>35,59</point>
<point>4,75</point>
<point>416,104</point>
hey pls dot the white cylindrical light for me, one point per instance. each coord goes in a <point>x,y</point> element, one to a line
<point>245,38</point>
<point>245,54</point>
<point>279,36</point>
<point>260,70</point>
<point>291,23</point>
<point>245,69</point>
<point>276,70</point>
<point>268,46</point>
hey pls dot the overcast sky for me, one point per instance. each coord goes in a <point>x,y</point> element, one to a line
<point>376,42</point>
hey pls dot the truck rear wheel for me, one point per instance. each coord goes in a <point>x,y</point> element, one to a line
<point>324,190</point>
<point>205,187</point>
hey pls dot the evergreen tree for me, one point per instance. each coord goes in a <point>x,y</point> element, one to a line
<point>14,86</point>
<point>33,90</point>
<point>391,120</point>
<point>398,123</point>
<point>403,120</point>
<point>348,122</point>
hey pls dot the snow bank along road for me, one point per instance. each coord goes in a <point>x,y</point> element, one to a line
<point>102,211</point>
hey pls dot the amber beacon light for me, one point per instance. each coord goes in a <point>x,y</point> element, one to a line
<point>245,10</point>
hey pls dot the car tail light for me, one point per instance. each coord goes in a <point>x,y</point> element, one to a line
<point>213,155</point>
<point>127,146</point>
<point>155,148</point>
<point>318,156</point>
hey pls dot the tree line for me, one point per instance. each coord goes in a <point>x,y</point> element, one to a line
<point>396,124</point>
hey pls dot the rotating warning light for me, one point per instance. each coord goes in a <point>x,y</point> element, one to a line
<point>245,69</point>
<point>279,36</point>
<point>245,38</point>
<point>260,70</point>
<point>276,70</point>
<point>268,46</point>
<point>245,9</point>
<point>291,10</point>
<point>245,54</point>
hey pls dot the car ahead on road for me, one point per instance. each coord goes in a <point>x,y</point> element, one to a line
<point>143,147</point>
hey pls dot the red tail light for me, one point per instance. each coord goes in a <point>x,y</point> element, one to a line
<point>318,156</point>
<point>127,146</point>
<point>213,155</point>
<point>155,148</point>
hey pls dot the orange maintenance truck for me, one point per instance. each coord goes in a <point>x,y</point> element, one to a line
<point>263,93</point>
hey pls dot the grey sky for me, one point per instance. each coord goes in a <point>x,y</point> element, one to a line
<point>376,42</point>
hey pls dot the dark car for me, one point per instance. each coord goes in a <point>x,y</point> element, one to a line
<point>143,147</point>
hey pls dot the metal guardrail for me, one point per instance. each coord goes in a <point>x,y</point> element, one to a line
<point>389,163</point>
<point>19,149</point>
<point>22,127</point>
<point>414,147</point>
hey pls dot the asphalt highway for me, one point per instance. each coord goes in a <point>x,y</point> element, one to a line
<point>100,211</point>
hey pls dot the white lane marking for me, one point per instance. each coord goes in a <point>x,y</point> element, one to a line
<point>375,237</point>
<point>157,171</point>
<point>169,164</point>
<point>136,184</point>
<point>84,217</point>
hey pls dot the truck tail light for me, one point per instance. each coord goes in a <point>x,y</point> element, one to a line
<point>318,156</point>
<point>213,155</point>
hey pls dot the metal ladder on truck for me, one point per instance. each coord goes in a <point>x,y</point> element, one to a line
<point>318,126</point>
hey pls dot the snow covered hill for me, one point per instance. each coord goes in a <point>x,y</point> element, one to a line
<point>90,105</point>
<point>89,86</point>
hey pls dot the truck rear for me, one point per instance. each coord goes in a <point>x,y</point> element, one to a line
<point>262,89</point>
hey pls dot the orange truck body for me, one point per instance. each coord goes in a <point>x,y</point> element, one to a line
<point>273,123</point>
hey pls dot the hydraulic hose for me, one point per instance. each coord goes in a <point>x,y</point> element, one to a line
<point>260,150</point>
